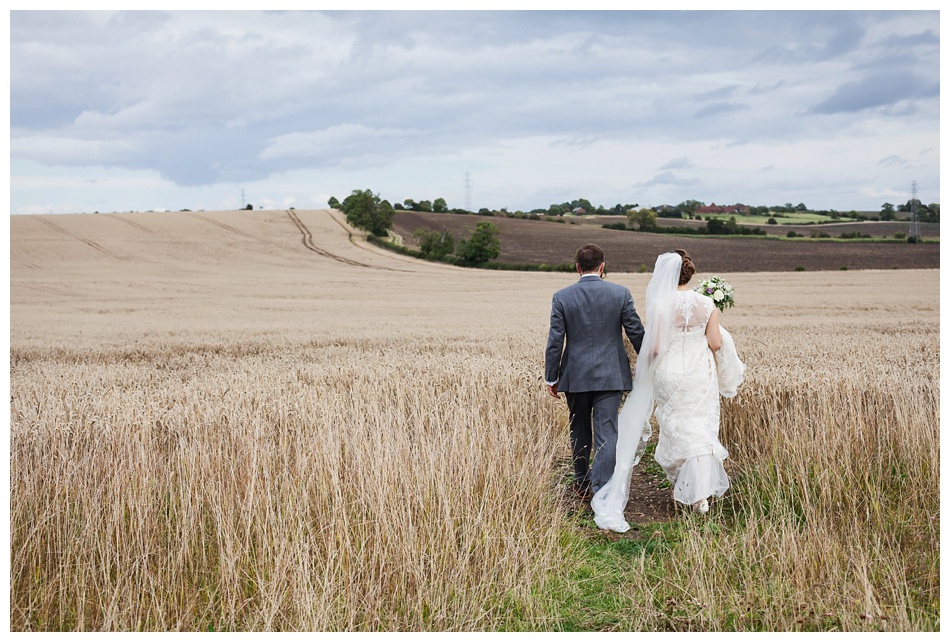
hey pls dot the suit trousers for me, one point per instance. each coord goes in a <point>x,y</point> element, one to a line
<point>593,436</point>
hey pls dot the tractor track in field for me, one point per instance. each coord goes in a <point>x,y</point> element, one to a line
<point>46,289</point>
<point>88,242</point>
<point>137,226</point>
<point>225,226</point>
<point>307,239</point>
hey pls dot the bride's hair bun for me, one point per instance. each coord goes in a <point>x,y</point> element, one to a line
<point>688,269</point>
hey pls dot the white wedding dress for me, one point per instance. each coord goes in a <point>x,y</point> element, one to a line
<point>678,372</point>
<point>686,386</point>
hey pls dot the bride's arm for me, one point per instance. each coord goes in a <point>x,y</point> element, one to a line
<point>713,336</point>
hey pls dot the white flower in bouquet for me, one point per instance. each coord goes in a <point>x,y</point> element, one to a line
<point>716,288</point>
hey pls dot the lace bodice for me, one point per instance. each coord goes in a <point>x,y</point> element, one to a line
<point>692,311</point>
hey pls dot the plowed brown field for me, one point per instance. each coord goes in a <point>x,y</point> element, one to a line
<point>526,241</point>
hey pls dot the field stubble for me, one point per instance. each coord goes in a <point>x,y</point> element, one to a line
<point>249,471</point>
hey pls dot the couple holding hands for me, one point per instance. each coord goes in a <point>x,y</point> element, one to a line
<point>686,360</point>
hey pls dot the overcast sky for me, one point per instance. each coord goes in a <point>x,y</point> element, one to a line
<point>116,111</point>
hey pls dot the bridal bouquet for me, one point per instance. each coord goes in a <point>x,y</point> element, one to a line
<point>716,288</point>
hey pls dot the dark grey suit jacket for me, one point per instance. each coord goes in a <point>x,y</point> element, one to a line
<point>592,316</point>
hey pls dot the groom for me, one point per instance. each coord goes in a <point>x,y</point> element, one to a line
<point>592,370</point>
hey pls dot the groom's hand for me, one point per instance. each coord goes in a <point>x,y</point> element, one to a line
<point>552,390</point>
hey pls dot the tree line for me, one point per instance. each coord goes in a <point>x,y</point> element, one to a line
<point>645,220</point>
<point>687,209</point>
<point>926,213</point>
<point>366,210</point>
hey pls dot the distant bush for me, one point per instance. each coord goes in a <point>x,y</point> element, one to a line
<point>679,229</point>
<point>483,245</point>
<point>614,226</point>
<point>716,226</point>
<point>365,210</point>
<point>433,244</point>
<point>799,268</point>
<point>488,265</point>
<point>792,234</point>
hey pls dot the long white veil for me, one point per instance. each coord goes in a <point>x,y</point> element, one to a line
<point>634,423</point>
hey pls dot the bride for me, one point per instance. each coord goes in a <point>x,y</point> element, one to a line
<point>686,361</point>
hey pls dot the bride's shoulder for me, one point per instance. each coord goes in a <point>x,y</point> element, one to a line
<point>706,301</point>
<point>703,300</point>
<point>693,294</point>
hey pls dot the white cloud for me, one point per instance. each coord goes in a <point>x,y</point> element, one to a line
<point>337,141</point>
<point>602,101</point>
<point>64,150</point>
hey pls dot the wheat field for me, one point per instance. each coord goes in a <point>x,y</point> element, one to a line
<point>257,421</point>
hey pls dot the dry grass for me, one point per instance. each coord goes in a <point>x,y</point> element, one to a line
<point>358,485</point>
<point>239,432</point>
<point>832,522</point>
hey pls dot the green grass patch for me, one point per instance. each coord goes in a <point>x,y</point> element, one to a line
<point>792,218</point>
<point>592,596</point>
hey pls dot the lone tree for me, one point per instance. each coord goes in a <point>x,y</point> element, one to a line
<point>644,219</point>
<point>482,247</point>
<point>365,210</point>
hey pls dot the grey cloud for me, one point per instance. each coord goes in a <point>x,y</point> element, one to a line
<point>899,42</point>
<point>576,142</point>
<point>876,90</point>
<point>718,94</point>
<point>818,36</point>
<point>208,97</point>
<point>682,162</point>
<point>892,161</point>
<point>719,108</point>
<point>760,88</point>
<point>668,178</point>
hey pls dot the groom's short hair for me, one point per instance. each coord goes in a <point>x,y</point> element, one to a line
<point>589,257</point>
